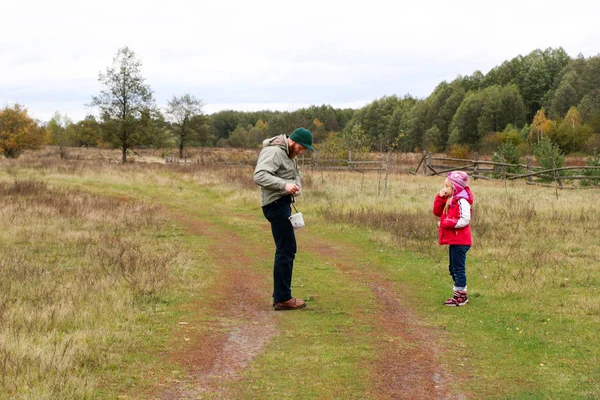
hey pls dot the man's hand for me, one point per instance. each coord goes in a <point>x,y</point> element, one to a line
<point>292,188</point>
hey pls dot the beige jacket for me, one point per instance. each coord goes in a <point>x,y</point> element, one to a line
<point>274,169</point>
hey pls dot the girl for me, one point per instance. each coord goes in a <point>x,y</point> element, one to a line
<point>453,205</point>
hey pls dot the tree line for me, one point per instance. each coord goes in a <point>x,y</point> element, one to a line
<point>544,95</point>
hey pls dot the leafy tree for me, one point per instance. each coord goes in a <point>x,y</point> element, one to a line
<point>318,130</point>
<point>505,74</point>
<point>258,133</point>
<point>153,131</point>
<point>333,148</point>
<point>496,139</point>
<point>286,122</point>
<point>249,136</point>
<point>590,109</point>
<point>507,153</point>
<point>473,82</point>
<point>333,120</point>
<point>19,132</point>
<point>454,138</point>
<point>329,119</point>
<point>385,121</point>
<point>592,161</point>
<point>546,152</point>
<point>573,117</point>
<point>224,122</point>
<point>452,98</point>
<point>355,139</point>
<point>566,95</point>
<point>88,132</point>
<point>204,134</point>
<point>123,101</point>
<point>181,112</point>
<point>539,127</point>
<point>524,133</point>
<point>570,134</point>
<point>431,139</point>
<point>401,122</point>
<point>465,121</point>
<point>459,151</point>
<point>240,137</point>
<point>556,60</point>
<point>489,110</point>
<point>589,73</point>
<point>537,78</point>
<point>417,126</point>
<point>502,106</point>
<point>534,75</point>
<point>61,133</point>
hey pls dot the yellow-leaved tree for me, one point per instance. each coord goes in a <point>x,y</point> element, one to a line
<point>18,131</point>
<point>573,117</point>
<point>539,127</point>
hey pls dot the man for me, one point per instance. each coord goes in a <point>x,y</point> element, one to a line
<point>277,175</point>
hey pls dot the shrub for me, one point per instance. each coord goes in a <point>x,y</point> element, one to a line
<point>459,151</point>
<point>507,153</point>
<point>19,132</point>
<point>546,152</point>
<point>592,161</point>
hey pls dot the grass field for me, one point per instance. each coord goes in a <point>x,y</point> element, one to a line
<point>103,278</point>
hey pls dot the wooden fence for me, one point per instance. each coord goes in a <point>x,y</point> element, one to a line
<point>315,162</point>
<point>577,176</point>
<point>382,165</point>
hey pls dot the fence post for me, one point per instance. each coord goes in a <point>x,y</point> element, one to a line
<point>476,165</point>
<point>387,169</point>
<point>556,176</point>
<point>429,162</point>
<point>424,162</point>
<point>349,159</point>
<point>529,178</point>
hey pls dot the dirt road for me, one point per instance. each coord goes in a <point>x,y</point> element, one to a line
<point>407,362</point>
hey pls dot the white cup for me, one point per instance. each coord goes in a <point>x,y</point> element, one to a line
<point>297,220</point>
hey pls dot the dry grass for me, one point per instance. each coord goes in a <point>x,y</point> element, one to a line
<point>74,267</point>
<point>530,237</point>
<point>528,242</point>
<point>529,228</point>
<point>194,155</point>
<point>525,237</point>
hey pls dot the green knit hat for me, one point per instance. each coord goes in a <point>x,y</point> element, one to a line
<point>303,137</point>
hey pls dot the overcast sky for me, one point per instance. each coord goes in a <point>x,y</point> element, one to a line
<point>251,55</point>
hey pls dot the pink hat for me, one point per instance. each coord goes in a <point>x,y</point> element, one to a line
<point>460,179</point>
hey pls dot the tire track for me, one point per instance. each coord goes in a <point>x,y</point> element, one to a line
<point>408,363</point>
<point>243,320</point>
<point>408,366</point>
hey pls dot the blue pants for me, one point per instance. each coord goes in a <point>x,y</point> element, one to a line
<point>277,213</point>
<point>458,266</point>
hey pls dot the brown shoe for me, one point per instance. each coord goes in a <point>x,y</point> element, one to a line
<point>291,304</point>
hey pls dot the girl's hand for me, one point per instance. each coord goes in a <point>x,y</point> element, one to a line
<point>443,193</point>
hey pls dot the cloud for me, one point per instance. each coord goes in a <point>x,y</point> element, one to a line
<point>239,54</point>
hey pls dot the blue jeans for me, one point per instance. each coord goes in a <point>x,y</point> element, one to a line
<point>277,213</point>
<point>458,266</point>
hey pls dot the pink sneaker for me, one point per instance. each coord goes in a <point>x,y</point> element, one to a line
<point>459,299</point>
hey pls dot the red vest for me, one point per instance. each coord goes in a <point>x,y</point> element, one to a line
<point>447,230</point>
